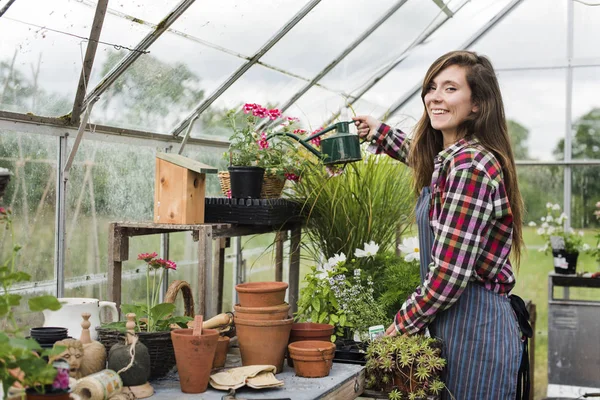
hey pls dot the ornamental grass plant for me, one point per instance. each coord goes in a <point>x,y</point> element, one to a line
<point>368,201</point>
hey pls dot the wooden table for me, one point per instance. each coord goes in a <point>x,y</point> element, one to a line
<point>210,263</point>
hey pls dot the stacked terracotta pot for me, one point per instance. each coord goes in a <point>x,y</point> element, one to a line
<point>262,323</point>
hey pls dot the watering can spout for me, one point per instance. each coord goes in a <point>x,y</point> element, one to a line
<point>340,148</point>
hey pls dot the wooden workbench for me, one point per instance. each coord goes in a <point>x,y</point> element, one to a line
<point>210,263</point>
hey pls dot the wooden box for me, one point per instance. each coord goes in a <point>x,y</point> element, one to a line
<point>179,189</point>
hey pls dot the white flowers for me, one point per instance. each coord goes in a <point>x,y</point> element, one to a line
<point>333,261</point>
<point>531,223</point>
<point>410,246</point>
<point>370,250</point>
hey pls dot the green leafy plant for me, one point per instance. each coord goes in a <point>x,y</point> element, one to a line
<point>342,298</point>
<point>552,226</point>
<point>369,201</point>
<point>407,367</point>
<point>398,280</point>
<point>152,316</point>
<point>279,156</point>
<point>22,360</point>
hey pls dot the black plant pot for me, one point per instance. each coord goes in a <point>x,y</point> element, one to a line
<point>246,182</point>
<point>46,336</point>
<point>564,263</point>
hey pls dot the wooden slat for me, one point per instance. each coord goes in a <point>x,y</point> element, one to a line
<point>294,272</point>
<point>279,238</point>
<point>351,389</point>
<point>188,163</point>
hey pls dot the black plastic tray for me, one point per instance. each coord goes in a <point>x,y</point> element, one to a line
<point>251,211</point>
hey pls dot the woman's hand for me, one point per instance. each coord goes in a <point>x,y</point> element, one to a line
<point>391,330</point>
<point>366,126</point>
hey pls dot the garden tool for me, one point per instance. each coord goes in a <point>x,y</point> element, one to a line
<point>341,148</point>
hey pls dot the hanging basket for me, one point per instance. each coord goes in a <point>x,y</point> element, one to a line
<point>272,186</point>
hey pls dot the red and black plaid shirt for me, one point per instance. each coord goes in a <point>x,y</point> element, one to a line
<point>471,221</point>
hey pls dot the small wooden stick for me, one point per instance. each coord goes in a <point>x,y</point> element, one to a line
<point>198,325</point>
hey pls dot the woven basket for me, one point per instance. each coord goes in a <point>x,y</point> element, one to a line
<point>159,344</point>
<point>271,188</point>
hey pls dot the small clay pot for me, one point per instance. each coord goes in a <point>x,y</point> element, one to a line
<point>221,353</point>
<point>263,342</point>
<point>262,313</point>
<point>194,356</point>
<point>309,331</point>
<point>312,358</point>
<point>261,294</point>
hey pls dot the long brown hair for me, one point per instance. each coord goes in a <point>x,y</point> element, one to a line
<point>488,125</point>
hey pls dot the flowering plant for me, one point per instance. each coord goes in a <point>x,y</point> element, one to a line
<point>279,156</point>
<point>152,316</point>
<point>552,226</point>
<point>336,296</point>
<point>410,247</point>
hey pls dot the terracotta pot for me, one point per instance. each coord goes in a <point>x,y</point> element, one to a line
<point>312,358</point>
<point>310,331</point>
<point>262,313</point>
<point>194,356</point>
<point>221,353</point>
<point>263,342</point>
<point>261,294</point>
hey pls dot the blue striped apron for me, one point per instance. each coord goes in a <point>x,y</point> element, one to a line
<point>480,333</point>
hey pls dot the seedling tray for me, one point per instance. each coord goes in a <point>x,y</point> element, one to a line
<point>251,211</point>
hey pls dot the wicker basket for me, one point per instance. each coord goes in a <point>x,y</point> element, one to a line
<point>271,188</point>
<point>159,344</point>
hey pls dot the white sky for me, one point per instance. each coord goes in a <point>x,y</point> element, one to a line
<point>533,35</point>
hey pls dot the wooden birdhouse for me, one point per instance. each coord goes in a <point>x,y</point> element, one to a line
<point>179,189</point>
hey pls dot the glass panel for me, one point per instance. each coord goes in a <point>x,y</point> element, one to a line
<point>586,113</point>
<point>586,30</point>
<point>152,11</point>
<point>112,32</point>
<point>317,105</point>
<point>361,63</point>
<point>585,194</point>
<point>333,19</point>
<point>31,197</point>
<point>259,85</point>
<point>541,29</point>
<point>227,23</point>
<point>162,87</point>
<point>40,59</point>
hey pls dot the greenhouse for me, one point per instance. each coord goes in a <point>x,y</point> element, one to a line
<point>184,171</point>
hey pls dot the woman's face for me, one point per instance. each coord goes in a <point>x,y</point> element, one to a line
<point>448,100</point>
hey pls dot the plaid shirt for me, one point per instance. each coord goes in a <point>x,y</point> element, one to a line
<point>471,221</point>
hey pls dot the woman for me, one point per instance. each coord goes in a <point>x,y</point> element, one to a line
<point>469,216</point>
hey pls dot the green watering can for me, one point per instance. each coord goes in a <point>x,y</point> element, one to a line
<point>341,148</point>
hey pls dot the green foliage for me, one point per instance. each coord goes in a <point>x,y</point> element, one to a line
<point>16,351</point>
<point>368,202</point>
<point>160,313</point>
<point>398,281</point>
<point>408,367</point>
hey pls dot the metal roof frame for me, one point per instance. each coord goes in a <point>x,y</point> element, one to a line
<point>245,67</point>
<point>132,56</point>
<point>338,59</point>
<point>395,107</point>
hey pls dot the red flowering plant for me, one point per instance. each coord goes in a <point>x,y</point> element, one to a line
<point>279,156</point>
<point>152,316</point>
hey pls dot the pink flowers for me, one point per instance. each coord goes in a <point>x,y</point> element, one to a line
<point>155,263</point>
<point>299,132</point>
<point>316,141</point>
<point>291,177</point>
<point>262,142</point>
<point>61,381</point>
<point>261,112</point>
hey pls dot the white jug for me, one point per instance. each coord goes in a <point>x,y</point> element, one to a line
<point>69,316</point>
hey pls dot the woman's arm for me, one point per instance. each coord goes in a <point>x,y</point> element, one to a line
<point>383,138</point>
<point>466,211</point>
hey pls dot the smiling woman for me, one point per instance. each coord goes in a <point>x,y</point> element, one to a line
<point>469,219</point>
